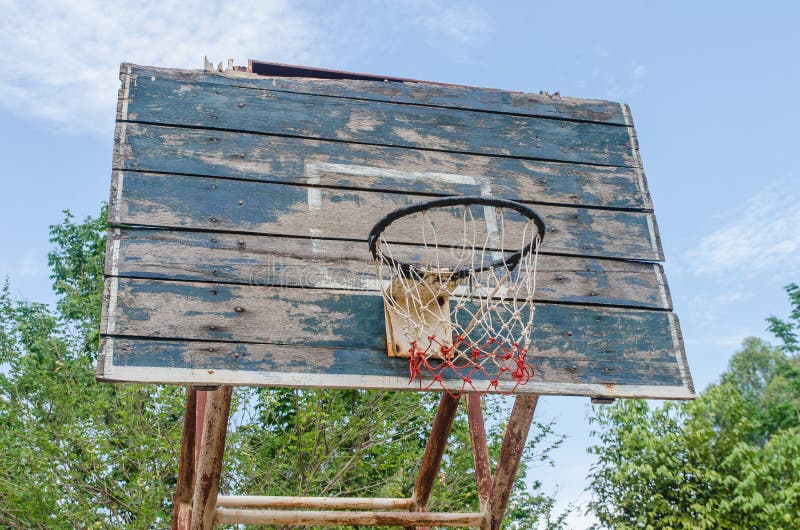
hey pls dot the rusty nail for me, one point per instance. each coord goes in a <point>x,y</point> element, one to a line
<point>211,371</point>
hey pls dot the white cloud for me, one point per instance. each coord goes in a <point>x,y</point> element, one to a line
<point>727,343</point>
<point>637,78</point>
<point>763,235</point>
<point>462,24</point>
<point>60,60</point>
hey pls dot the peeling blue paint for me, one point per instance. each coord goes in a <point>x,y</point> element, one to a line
<point>167,102</point>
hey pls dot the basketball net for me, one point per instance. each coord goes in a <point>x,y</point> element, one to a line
<point>463,311</point>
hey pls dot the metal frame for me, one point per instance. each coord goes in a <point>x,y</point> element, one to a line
<point>198,505</point>
<point>410,270</point>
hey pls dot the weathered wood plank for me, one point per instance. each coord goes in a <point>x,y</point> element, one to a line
<point>272,261</point>
<point>348,326</point>
<point>419,93</point>
<point>280,365</point>
<point>300,161</point>
<point>180,362</point>
<point>177,201</point>
<point>168,102</point>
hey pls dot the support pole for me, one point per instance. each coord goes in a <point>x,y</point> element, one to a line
<point>508,463</point>
<point>182,506</point>
<point>432,459</point>
<point>209,462</point>
<point>198,507</point>
<point>480,448</point>
<point>316,503</point>
<point>337,518</point>
<point>199,418</point>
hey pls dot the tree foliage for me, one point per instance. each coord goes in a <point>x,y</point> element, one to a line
<point>78,454</point>
<point>729,459</point>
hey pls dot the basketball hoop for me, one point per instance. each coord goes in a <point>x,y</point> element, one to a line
<point>458,276</point>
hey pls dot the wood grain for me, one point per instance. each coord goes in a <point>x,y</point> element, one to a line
<point>331,331</point>
<point>240,206</point>
<point>416,93</point>
<point>336,518</point>
<point>296,160</point>
<point>480,449</point>
<point>508,461</point>
<point>168,102</point>
<point>434,451</point>
<point>209,463</point>
<point>272,261</point>
<point>184,488</point>
<point>330,503</point>
<point>177,201</point>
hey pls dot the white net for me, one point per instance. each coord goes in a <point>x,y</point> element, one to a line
<point>458,285</point>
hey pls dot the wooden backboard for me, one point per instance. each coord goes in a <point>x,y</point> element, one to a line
<point>241,203</point>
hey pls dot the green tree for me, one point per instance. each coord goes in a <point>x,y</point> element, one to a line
<point>729,459</point>
<point>78,454</point>
<point>74,453</point>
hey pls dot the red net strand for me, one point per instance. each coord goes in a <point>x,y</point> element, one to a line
<point>466,360</point>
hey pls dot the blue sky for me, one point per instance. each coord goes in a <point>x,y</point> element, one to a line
<point>712,88</point>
